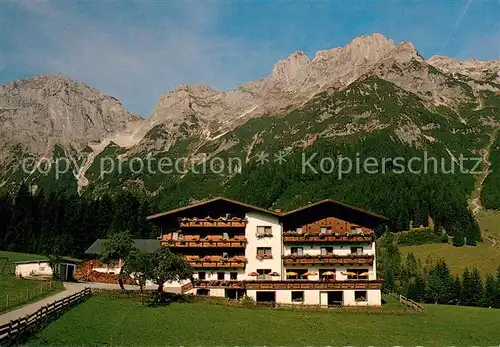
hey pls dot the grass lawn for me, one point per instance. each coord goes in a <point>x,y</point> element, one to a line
<point>484,257</point>
<point>103,320</point>
<point>489,222</point>
<point>21,291</point>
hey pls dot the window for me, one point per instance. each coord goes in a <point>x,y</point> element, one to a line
<point>264,231</point>
<point>326,250</point>
<point>360,295</point>
<point>297,296</point>
<point>264,252</point>
<point>299,230</point>
<point>297,250</point>
<point>233,276</point>
<point>225,236</point>
<point>322,230</point>
<point>325,230</point>
<point>328,230</point>
<point>220,276</point>
<point>201,275</point>
<point>356,250</point>
<point>264,274</point>
<point>175,236</point>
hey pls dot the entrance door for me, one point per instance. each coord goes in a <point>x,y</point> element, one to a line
<point>323,299</point>
<point>335,298</point>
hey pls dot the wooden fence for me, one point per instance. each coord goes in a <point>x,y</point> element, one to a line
<point>24,295</point>
<point>408,302</point>
<point>14,331</point>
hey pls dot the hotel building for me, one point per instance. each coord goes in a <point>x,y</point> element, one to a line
<point>319,254</point>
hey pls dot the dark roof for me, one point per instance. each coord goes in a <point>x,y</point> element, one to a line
<point>220,198</point>
<point>334,202</point>
<point>299,209</point>
<point>144,245</point>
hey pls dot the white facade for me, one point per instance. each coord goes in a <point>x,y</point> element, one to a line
<point>33,268</point>
<point>273,247</point>
<point>255,220</point>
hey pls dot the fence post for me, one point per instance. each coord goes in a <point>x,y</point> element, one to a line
<point>7,301</point>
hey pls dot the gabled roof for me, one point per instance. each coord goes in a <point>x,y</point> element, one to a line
<point>143,245</point>
<point>219,198</point>
<point>278,214</point>
<point>335,202</point>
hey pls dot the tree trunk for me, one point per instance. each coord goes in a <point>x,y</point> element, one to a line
<point>120,280</point>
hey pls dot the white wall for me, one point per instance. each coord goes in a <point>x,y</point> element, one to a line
<point>256,219</point>
<point>312,297</point>
<point>41,268</point>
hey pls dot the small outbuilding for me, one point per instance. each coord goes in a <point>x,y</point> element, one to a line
<point>41,268</point>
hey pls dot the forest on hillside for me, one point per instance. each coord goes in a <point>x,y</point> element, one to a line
<point>63,224</point>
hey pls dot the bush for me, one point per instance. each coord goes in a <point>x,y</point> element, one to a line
<point>444,238</point>
<point>418,237</point>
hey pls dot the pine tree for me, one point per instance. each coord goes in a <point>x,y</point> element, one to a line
<point>457,291</point>
<point>467,289</point>
<point>490,292</point>
<point>478,289</point>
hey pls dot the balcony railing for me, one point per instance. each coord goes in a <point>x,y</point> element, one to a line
<point>217,262</point>
<point>290,284</point>
<point>306,259</point>
<point>223,243</point>
<point>218,283</point>
<point>294,237</point>
<point>234,222</point>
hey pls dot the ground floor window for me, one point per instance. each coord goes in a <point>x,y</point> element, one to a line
<point>235,294</point>
<point>360,295</point>
<point>266,296</point>
<point>203,291</point>
<point>220,276</point>
<point>297,296</point>
<point>233,276</point>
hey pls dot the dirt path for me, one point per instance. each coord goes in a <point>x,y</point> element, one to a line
<point>475,203</point>
<point>69,288</point>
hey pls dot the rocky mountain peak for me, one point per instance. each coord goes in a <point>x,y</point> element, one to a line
<point>50,109</point>
<point>473,68</point>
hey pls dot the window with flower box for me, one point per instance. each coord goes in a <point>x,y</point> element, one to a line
<point>326,250</point>
<point>360,295</point>
<point>297,250</point>
<point>264,253</point>
<point>297,296</point>
<point>264,231</point>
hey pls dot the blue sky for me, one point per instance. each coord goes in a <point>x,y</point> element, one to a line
<point>137,50</point>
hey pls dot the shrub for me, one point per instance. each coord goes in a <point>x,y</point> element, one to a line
<point>418,237</point>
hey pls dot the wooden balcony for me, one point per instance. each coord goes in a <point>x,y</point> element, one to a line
<point>294,260</point>
<point>212,223</point>
<point>290,284</point>
<point>217,284</point>
<point>293,237</point>
<point>227,243</point>
<point>217,262</point>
